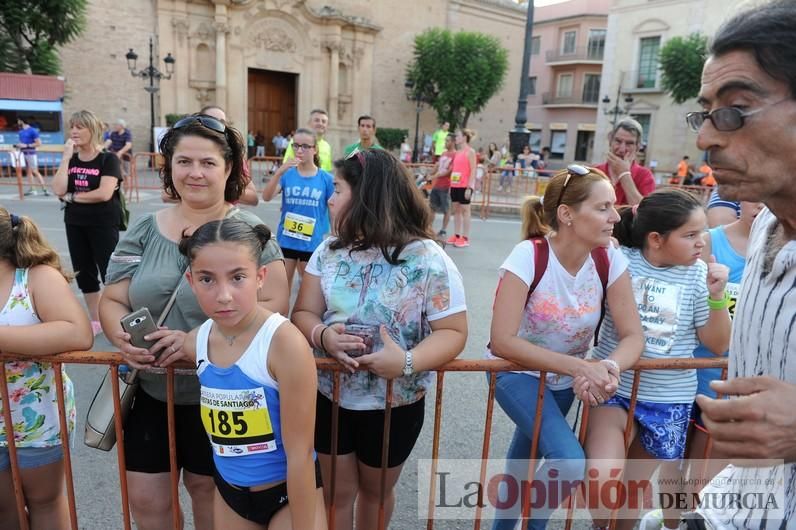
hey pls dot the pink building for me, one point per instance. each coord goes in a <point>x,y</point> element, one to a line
<point>566,66</point>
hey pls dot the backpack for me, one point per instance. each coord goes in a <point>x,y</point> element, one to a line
<point>540,258</point>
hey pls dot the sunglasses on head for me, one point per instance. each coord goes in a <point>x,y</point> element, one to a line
<point>208,121</point>
<point>573,170</point>
<point>359,155</point>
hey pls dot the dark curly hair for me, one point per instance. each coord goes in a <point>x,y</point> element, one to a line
<point>226,230</point>
<point>386,211</point>
<point>232,146</point>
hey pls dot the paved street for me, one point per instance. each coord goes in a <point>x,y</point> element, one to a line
<point>465,394</point>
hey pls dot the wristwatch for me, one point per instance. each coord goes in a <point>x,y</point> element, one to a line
<point>409,364</point>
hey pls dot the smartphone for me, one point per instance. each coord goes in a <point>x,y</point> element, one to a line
<point>139,324</point>
<point>370,336</point>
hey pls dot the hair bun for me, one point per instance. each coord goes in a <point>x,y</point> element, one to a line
<point>263,233</point>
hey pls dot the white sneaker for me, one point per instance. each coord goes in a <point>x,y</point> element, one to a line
<point>652,520</point>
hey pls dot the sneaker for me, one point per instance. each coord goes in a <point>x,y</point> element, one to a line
<point>96,327</point>
<point>462,242</point>
<point>652,520</point>
<point>45,192</point>
<point>31,193</point>
<point>452,239</point>
<point>442,233</point>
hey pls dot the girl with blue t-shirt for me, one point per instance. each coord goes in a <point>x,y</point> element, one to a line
<point>258,386</point>
<point>682,301</point>
<point>305,191</point>
<point>728,244</point>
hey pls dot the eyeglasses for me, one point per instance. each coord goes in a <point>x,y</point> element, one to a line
<point>573,170</point>
<point>296,147</point>
<point>208,121</point>
<point>724,119</point>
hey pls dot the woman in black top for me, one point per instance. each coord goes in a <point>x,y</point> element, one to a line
<point>86,181</point>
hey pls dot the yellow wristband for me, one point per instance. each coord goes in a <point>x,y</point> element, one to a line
<point>718,305</point>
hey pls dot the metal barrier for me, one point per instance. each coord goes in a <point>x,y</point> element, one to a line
<point>492,367</point>
<point>11,174</point>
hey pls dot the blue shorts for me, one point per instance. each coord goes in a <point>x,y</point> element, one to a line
<point>663,427</point>
<point>31,457</point>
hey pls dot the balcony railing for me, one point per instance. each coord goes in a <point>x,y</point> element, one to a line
<point>581,54</point>
<point>550,98</point>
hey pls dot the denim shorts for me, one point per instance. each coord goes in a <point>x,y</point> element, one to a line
<point>31,457</point>
<point>663,427</point>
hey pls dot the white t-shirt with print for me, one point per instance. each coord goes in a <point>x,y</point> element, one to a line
<point>363,288</point>
<point>672,303</point>
<point>563,310</point>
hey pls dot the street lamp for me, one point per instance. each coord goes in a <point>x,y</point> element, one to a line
<point>154,75</point>
<point>520,135</point>
<point>417,97</point>
<point>616,109</point>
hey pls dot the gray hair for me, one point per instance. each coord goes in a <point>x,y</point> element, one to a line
<point>630,125</point>
<point>121,122</point>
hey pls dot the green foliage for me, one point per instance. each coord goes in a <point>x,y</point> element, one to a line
<point>31,31</point>
<point>391,138</point>
<point>171,119</point>
<point>457,73</point>
<point>681,62</point>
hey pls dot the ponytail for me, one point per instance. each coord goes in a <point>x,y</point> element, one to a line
<point>623,230</point>
<point>22,243</point>
<point>532,218</point>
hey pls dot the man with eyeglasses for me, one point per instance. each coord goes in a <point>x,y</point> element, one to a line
<point>632,181</point>
<point>319,122</point>
<point>748,97</point>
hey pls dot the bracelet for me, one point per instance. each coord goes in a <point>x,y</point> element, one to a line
<point>312,334</point>
<point>621,175</point>
<point>718,305</point>
<point>321,340</point>
<point>612,363</point>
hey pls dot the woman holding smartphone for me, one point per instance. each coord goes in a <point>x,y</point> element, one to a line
<point>380,295</point>
<point>204,170</point>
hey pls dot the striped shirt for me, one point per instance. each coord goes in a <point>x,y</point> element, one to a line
<point>763,343</point>
<point>672,303</point>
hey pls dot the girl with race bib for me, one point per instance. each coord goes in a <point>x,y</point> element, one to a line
<point>305,191</point>
<point>258,386</point>
<point>682,301</point>
<point>39,316</point>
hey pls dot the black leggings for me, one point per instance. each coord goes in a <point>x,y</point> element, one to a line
<point>90,248</point>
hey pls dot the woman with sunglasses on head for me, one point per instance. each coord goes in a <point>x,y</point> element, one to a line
<point>306,189</point>
<point>383,296</point>
<point>203,170</point>
<point>87,182</point>
<point>546,319</point>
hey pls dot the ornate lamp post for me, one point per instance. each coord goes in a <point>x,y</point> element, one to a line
<point>154,75</point>
<point>417,97</point>
<point>520,135</point>
<point>616,110</point>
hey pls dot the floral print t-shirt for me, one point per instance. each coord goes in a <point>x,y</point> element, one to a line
<point>31,385</point>
<point>363,288</point>
<point>562,313</point>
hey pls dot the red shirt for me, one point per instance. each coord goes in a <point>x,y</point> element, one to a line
<point>642,177</point>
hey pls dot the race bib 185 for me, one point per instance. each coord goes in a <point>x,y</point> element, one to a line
<point>237,421</point>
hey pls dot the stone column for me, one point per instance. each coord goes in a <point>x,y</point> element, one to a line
<point>222,28</point>
<point>334,77</point>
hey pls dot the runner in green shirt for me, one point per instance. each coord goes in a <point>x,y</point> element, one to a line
<point>367,136</point>
<point>438,139</point>
<point>319,122</point>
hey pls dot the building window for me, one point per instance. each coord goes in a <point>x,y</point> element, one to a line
<point>644,120</point>
<point>536,140</point>
<point>558,144</point>
<point>648,62</point>
<point>564,89</point>
<point>568,41</point>
<point>584,146</point>
<point>591,88</point>
<point>536,45</point>
<point>596,47</point>
<point>532,85</point>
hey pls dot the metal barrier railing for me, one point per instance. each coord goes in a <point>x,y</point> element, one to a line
<point>11,174</point>
<point>492,367</point>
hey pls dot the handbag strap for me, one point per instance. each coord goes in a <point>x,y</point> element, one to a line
<point>170,303</point>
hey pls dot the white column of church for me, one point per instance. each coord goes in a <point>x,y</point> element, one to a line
<point>334,76</point>
<point>221,55</point>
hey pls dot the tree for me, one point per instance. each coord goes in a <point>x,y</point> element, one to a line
<point>31,31</point>
<point>456,73</point>
<point>681,61</point>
